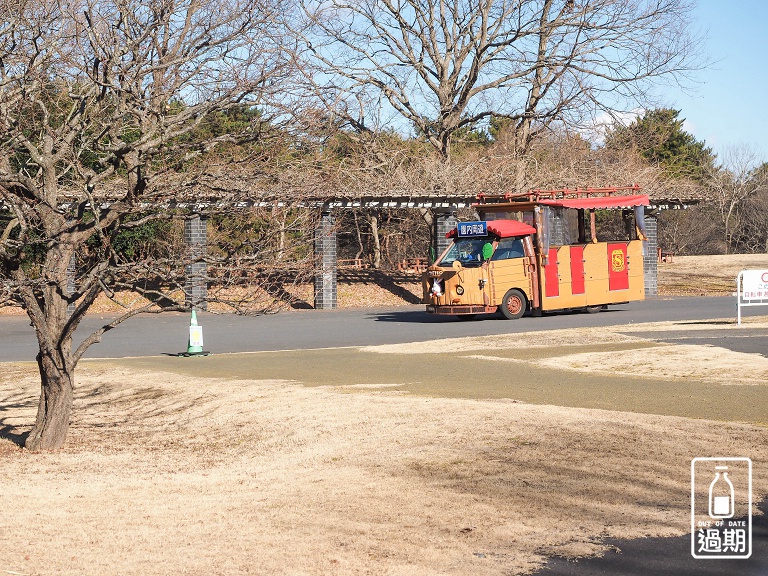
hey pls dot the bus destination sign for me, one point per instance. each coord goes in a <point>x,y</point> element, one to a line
<point>472,229</point>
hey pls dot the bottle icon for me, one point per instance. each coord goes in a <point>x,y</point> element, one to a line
<point>721,494</point>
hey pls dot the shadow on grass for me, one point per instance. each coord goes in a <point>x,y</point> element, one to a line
<point>11,432</point>
<point>664,557</point>
<point>706,323</point>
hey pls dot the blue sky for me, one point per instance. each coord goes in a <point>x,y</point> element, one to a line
<point>728,105</point>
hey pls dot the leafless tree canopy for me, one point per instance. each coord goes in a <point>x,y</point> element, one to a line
<point>736,189</point>
<point>444,64</point>
<point>97,98</point>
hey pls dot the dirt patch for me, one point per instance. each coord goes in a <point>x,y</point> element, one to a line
<point>542,339</point>
<point>358,461</point>
<point>701,363</point>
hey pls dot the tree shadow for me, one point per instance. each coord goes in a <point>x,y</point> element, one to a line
<point>413,316</point>
<point>11,432</point>
<point>389,281</point>
<point>662,556</point>
<point>706,323</point>
<point>275,287</point>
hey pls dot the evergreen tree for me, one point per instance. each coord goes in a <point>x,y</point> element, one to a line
<point>659,137</point>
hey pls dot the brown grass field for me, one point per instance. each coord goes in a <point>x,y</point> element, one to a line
<point>378,460</point>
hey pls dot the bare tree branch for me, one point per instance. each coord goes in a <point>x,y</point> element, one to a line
<point>104,104</point>
<point>441,65</point>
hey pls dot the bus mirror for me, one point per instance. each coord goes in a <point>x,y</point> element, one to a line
<point>456,265</point>
<point>487,251</point>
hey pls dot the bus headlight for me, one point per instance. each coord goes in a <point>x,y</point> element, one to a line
<point>459,290</point>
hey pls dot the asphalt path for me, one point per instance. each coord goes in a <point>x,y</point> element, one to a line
<point>158,334</point>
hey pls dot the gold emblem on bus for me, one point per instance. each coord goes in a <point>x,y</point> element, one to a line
<point>617,261</point>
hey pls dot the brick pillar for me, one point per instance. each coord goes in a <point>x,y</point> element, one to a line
<point>325,262</point>
<point>71,286</point>
<point>196,282</point>
<point>650,262</point>
<point>444,221</point>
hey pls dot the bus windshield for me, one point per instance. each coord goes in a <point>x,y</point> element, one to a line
<point>468,251</point>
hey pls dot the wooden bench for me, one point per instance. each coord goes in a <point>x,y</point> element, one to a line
<point>351,263</point>
<point>412,265</point>
<point>662,256</point>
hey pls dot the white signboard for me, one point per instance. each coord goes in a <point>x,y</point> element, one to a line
<point>751,289</point>
<point>196,336</point>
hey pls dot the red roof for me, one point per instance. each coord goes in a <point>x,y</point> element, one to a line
<point>508,228</point>
<point>504,229</point>
<point>599,202</point>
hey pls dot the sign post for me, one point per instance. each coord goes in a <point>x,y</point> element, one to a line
<point>751,290</point>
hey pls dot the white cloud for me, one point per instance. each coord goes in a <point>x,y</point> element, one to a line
<point>603,122</point>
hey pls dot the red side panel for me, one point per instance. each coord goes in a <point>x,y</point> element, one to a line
<point>577,269</point>
<point>551,279</point>
<point>618,274</point>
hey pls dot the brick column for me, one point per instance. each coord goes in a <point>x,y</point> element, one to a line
<point>325,262</point>
<point>650,262</point>
<point>196,282</point>
<point>444,221</point>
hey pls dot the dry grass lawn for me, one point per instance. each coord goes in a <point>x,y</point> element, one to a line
<point>166,474</point>
<point>706,275</point>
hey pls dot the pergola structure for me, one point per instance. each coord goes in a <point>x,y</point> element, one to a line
<point>325,245</point>
<point>444,212</point>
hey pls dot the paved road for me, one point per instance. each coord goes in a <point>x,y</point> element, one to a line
<point>150,335</point>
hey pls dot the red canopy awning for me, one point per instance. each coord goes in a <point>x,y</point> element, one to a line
<point>509,228</point>
<point>504,229</point>
<point>599,203</point>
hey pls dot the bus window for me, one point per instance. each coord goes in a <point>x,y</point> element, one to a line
<point>468,251</point>
<point>509,248</point>
<point>563,226</point>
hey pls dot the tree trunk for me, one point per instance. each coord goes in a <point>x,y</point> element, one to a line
<point>281,239</point>
<point>374,220</point>
<point>55,406</point>
<point>360,245</point>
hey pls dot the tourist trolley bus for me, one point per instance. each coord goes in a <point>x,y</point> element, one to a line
<point>541,251</point>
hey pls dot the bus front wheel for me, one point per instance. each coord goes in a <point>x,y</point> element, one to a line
<point>513,305</point>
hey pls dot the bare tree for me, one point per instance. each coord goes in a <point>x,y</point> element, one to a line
<point>752,236</point>
<point>732,184</point>
<point>445,64</point>
<point>98,99</point>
